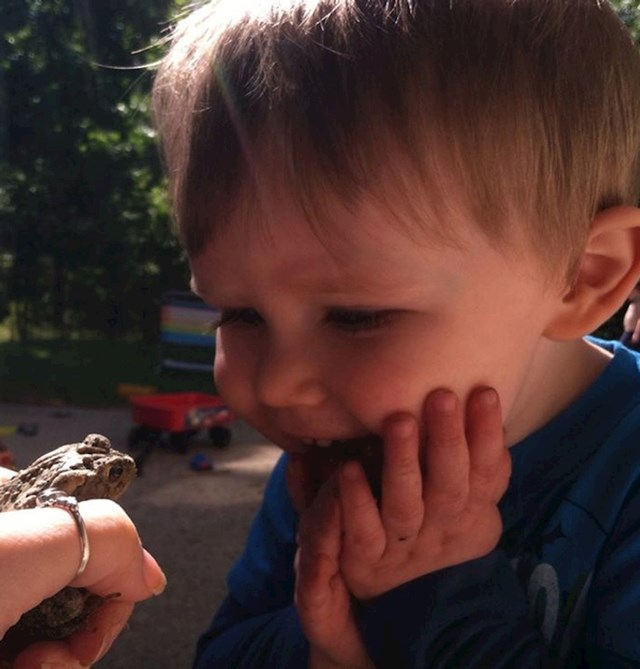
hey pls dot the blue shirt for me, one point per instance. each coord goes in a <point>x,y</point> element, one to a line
<point>561,590</point>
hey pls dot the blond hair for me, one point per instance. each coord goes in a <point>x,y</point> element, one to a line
<point>531,108</point>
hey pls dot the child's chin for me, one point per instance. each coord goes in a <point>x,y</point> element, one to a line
<point>322,463</point>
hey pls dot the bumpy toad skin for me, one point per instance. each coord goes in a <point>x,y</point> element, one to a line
<point>87,470</point>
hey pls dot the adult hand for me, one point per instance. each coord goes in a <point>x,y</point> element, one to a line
<point>43,556</point>
<point>439,499</point>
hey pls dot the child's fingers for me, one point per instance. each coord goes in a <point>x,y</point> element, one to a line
<point>364,534</point>
<point>296,477</point>
<point>312,585</point>
<point>490,463</point>
<point>319,531</point>
<point>446,454</point>
<point>317,558</point>
<point>402,507</point>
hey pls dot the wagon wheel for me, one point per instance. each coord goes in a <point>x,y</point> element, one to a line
<point>141,435</point>
<point>142,440</point>
<point>220,436</point>
<point>179,441</point>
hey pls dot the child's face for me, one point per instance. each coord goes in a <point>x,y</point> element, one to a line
<point>326,337</point>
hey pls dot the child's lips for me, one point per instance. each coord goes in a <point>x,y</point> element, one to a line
<point>325,456</point>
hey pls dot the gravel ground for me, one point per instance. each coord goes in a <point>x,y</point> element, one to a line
<point>194,523</point>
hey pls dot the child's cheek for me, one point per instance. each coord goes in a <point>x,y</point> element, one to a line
<point>232,380</point>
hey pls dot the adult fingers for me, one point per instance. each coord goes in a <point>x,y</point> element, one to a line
<point>47,653</point>
<point>118,561</point>
<point>6,474</point>
<point>105,625</point>
<point>84,647</point>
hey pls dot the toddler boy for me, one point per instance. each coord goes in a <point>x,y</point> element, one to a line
<point>411,213</point>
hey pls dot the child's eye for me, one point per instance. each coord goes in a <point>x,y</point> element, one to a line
<point>243,316</point>
<point>358,320</point>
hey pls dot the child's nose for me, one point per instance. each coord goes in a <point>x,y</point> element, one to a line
<point>288,375</point>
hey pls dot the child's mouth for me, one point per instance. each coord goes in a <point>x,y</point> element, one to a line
<point>323,457</point>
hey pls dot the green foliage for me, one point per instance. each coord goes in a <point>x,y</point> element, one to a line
<point>85,239</point>
<point>84,218</point>
<point>629,12</point>
<point>85,371</point>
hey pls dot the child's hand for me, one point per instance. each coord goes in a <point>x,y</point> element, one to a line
<point>439,502</point>
<point>322,598</point>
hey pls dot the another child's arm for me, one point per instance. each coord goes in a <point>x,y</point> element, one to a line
<point>39,553</point>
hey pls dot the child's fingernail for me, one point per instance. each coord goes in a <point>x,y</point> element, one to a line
<point>488,398</point>
<point>350,470</point>
<point>402,428</point>
<point>444,401</point>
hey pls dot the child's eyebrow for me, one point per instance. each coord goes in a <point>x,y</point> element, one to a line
<point>351,287</point>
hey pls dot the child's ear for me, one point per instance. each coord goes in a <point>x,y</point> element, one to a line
<point>608,271</point>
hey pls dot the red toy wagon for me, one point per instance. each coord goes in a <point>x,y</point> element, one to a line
<point>175,417</point>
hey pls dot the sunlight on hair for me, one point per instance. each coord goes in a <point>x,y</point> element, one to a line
<point>231,10</point>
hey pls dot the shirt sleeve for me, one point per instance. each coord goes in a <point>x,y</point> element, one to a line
<point>257,626</point>
<point>477,615</point>
<point>611,637</point>
<point>470,616</point>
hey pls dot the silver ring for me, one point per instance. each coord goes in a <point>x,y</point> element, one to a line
<point>60,500</point>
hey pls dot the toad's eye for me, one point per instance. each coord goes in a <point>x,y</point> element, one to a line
<point>242,316</point>
<point>115,473</point>
<point>358,320</point>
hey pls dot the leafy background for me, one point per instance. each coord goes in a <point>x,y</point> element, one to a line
<point>86,246</point>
